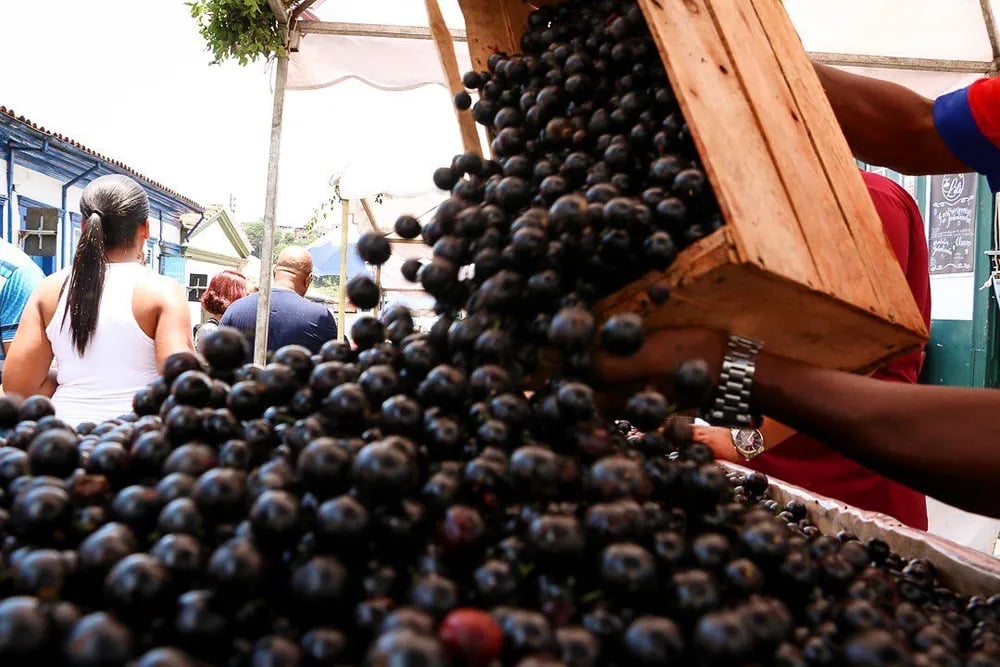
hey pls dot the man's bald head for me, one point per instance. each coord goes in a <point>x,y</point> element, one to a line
<point>296,257</point>
<point>294,269</point>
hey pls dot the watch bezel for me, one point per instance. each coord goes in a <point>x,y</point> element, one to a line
<point>749,442</point>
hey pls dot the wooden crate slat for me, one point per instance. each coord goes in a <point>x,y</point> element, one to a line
<point>823,332</point>
<point>818,117</point>
<point>834,251</point>
<point>734,153</point>
<point>709,290</point>
<point>698,259</point>
<point>449,65</point>
<point>493,26</point>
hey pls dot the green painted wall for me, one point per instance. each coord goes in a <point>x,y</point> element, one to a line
<point>948,359</point>
<point>964,353</point>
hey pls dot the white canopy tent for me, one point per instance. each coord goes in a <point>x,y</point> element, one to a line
<point>931,46</point>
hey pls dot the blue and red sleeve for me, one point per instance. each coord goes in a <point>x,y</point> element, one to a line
<point>968,121</point>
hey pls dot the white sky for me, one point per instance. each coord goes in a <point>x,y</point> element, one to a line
<point>136,85</point>
<point>131,79</point>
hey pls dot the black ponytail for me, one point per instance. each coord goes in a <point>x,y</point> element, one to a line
<point>114,207</point>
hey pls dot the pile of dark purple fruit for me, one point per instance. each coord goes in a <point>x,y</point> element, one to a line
<point>595,182</point>
<point>403,501</point>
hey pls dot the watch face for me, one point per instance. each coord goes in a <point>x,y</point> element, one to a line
<point>749,440</point>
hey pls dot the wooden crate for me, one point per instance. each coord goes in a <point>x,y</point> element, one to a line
<point>802,263</point>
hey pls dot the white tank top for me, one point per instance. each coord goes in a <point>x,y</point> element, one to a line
<point>120,358</point>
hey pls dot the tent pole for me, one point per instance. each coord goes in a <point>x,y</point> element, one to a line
<point>897,62</point>
<point>371,30</point>
<point>377,230</point>
<point>991,31</point>
<point>270,206</point>
<point>449,64</point>
<point>345,205</point>
<point>371,216</point>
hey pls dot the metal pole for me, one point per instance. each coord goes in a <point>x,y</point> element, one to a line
<point>371,30</point>
<point>345,205</point>
<point>9,232</point>
<point>991,31</point>
<point>897,62</point>
<point>270,205</point>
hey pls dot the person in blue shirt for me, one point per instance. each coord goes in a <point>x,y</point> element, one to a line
<point>295,320</point>
<point>892,126</point>
<point>19,276</point>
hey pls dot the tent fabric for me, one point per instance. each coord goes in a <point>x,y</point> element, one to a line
<point>938,29</point>
<point>368,141</point>
<point>952,30</point>
<point>387,12</point>
<point>326,256</point>
<point>384,63</point>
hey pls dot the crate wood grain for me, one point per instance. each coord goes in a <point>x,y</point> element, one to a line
<point>803,262</point>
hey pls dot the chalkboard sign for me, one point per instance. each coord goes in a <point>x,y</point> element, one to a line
<point>951,234</point>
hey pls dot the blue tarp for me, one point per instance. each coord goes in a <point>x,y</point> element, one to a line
<point>326,257</point>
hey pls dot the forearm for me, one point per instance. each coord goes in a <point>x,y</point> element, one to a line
<point>938,440</point>
<point>887,124</point>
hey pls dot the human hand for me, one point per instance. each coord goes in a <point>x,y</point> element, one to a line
<point>655,364</point>
<point>719,440</point>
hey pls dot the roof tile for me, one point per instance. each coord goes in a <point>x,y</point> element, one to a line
<point>10,113</point>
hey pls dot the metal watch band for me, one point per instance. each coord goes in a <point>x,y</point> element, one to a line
<point>731,406</point>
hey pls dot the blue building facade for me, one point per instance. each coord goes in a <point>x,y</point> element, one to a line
<point>45,172</point>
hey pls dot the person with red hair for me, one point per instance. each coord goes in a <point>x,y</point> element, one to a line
<point>226,287</point>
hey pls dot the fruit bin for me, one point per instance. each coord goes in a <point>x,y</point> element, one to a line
<point>802,263</point>
<point>965,570</point>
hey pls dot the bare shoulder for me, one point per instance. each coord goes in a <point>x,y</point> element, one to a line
<point>46,295</point>
<point>51,287</point>
<point>155,292</point>
<point>162,286</point>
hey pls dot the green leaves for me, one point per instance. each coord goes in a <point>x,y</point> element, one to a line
<point>240,30</point>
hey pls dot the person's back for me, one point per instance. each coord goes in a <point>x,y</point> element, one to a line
<point>108,323</point>
<point>813,465</point>
<point>225,288</point>
<point>118,345</point>
<point>294,320</point>
<point>19,277</point>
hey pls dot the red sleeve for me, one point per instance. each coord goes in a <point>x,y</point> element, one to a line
<point>904,228</point>
<point>984,102</point>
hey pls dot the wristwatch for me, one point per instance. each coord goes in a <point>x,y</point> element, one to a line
<point>731,406</point>
<point>748,442</point>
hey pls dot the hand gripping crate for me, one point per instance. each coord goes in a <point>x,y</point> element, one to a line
<point>802,263</point>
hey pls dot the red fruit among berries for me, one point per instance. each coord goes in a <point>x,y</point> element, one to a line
<point>472,637</point>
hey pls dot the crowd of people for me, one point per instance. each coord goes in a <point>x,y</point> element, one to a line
<point>91,336</point>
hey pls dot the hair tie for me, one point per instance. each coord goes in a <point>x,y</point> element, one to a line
<point>98,212</point>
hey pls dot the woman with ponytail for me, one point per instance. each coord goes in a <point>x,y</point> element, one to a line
<point>108,322</point>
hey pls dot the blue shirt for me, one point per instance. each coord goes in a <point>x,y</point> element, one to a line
<point>295,320</point>
<point>19,276</point>
<point>968,121</point>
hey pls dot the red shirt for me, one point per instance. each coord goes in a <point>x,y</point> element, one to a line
<point>811,464</point>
